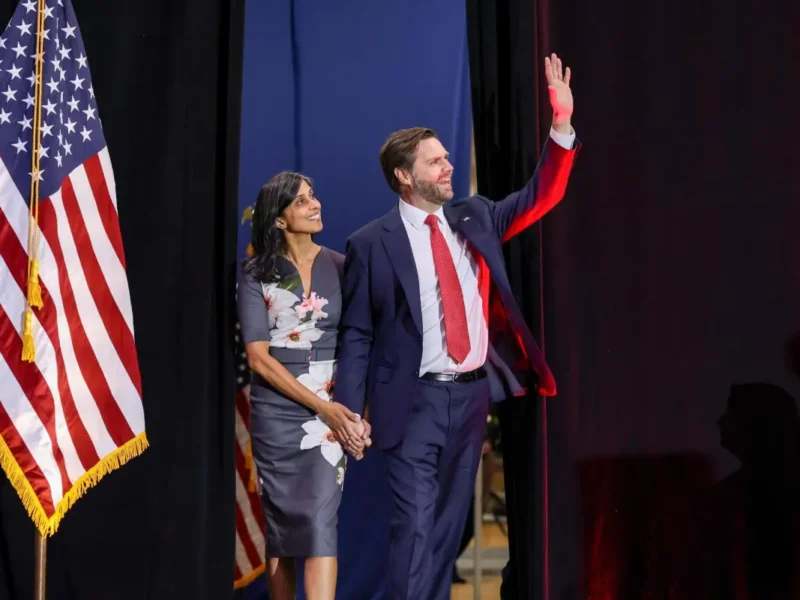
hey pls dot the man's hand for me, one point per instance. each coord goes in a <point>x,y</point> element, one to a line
<point>357,448</point>
<point>367,435</point>
<point>345,424</point>
<point>560,94</point>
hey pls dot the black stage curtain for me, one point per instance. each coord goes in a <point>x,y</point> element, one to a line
<point>511,117</point>
<point>669,273</point>
<point>167,77</point>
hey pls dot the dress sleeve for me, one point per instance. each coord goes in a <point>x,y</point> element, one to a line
<point>338,261</point>
<point>253,316</point>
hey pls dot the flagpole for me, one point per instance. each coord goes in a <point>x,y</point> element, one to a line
<point>40,580</point>
<point>34,299</point>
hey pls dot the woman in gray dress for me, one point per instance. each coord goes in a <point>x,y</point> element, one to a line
<point>290,302</point>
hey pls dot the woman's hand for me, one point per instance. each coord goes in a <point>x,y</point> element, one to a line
<point>346,426</point>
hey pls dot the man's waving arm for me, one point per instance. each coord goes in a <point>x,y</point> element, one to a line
<point>546,188</point>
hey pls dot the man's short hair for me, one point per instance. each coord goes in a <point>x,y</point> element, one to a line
<point>400,150</point>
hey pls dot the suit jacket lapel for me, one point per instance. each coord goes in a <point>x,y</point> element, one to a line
<point>398,247</point>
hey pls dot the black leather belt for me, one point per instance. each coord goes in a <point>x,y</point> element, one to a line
<point>456,377</point>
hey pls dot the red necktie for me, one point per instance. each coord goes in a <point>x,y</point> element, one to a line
<point>456,332</point>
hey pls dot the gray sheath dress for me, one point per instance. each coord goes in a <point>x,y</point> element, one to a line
<point>300,465</point>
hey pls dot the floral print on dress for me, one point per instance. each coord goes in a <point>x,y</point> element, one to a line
<point>277,314</point>
<point>318,434</point>
<point>300,337</point>
<point>292,323</point>
<point>312,304</point>
<point>319,380</point>
<point>279,302</point>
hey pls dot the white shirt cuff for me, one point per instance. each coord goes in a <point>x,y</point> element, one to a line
<point>565,140</point>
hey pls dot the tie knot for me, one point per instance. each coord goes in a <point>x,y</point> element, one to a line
<point>432,222</point>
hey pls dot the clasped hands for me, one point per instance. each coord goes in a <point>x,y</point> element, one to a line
<point>351,431</point>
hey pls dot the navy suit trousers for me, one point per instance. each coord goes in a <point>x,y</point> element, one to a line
<point>431,474</point>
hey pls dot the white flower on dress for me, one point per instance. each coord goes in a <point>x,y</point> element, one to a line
<point>280,305</point>
<point>299,337</point>
<point>286,321</point>
<point>319,434</point>
<point>319,378</point>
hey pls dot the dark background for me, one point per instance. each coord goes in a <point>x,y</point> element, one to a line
<point>167,77</point>
<point>669,272</point>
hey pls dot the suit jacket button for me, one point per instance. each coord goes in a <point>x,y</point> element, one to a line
<point>416,373</point>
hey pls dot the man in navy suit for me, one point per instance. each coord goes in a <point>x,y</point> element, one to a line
<point>431,331</point>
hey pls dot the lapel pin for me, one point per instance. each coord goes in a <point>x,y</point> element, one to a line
<point>465,219</point>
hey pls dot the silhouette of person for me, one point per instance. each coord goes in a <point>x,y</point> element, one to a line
<point>753,518</point>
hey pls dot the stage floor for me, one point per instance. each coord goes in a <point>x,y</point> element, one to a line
<point>495,556</point>
<point>490,590</point>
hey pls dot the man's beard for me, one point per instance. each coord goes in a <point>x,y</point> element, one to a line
<point>430,192</point>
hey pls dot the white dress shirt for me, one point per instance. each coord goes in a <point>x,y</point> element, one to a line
<point>435,358</point>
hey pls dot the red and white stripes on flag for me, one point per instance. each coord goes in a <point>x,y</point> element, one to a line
<point>249,514</point>
<point>75,413</point>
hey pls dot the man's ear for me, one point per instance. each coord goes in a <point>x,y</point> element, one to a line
<point>403,176</point>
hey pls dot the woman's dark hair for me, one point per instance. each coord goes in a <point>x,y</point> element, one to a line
<point>269,242</point>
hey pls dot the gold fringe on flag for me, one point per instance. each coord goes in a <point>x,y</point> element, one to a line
<point>48,525</point>
<point>250,577</point>
<point>250,465</point>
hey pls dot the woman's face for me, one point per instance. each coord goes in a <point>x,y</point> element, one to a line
<point>304,214</point>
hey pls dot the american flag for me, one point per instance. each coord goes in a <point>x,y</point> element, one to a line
<point>250,534</point>
<point>74,412</point>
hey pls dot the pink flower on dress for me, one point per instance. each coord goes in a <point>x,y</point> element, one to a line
<point>312,304</point>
